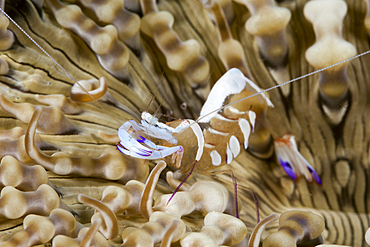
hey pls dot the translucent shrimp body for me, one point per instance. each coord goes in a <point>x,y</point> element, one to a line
<point>228,130</point>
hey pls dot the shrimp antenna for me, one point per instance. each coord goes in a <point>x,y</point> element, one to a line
<point>282,84</point>
<point>152,99</point>
<point>209,113</point>
<point>273,87</point>
<point>62,68</point>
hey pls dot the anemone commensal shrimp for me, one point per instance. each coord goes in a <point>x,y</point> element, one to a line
<point>342,181</point>
<point>220,142</point>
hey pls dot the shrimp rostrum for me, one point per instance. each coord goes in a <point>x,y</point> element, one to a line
<point>224,126</point>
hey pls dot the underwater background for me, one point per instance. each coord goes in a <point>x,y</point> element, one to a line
<point>171,73</point>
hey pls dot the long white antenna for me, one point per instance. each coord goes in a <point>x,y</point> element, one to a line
<point>58,65</point>
<point>214,111</point>
<point>287,82</point>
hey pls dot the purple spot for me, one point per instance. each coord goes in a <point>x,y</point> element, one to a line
<point>119,145</point>
<point>314,175</point>
<point>288,168</point>
<point>143,152</point>
<point>141,139</point>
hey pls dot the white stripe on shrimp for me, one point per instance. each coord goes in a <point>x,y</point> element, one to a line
<point>221,147</point>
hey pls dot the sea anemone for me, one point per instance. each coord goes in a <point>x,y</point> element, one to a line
<point>165,56</point>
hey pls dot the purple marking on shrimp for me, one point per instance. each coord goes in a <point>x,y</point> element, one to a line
<point>288,169</point>
<point>314,175</point>
<point>142,139</point>
<point>144,152</point>
<point>141,154</point>
<point>119,144</point>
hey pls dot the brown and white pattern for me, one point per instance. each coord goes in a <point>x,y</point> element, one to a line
<point>338,150</point>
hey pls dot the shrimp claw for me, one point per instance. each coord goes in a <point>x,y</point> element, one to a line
<point>134,144</point>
